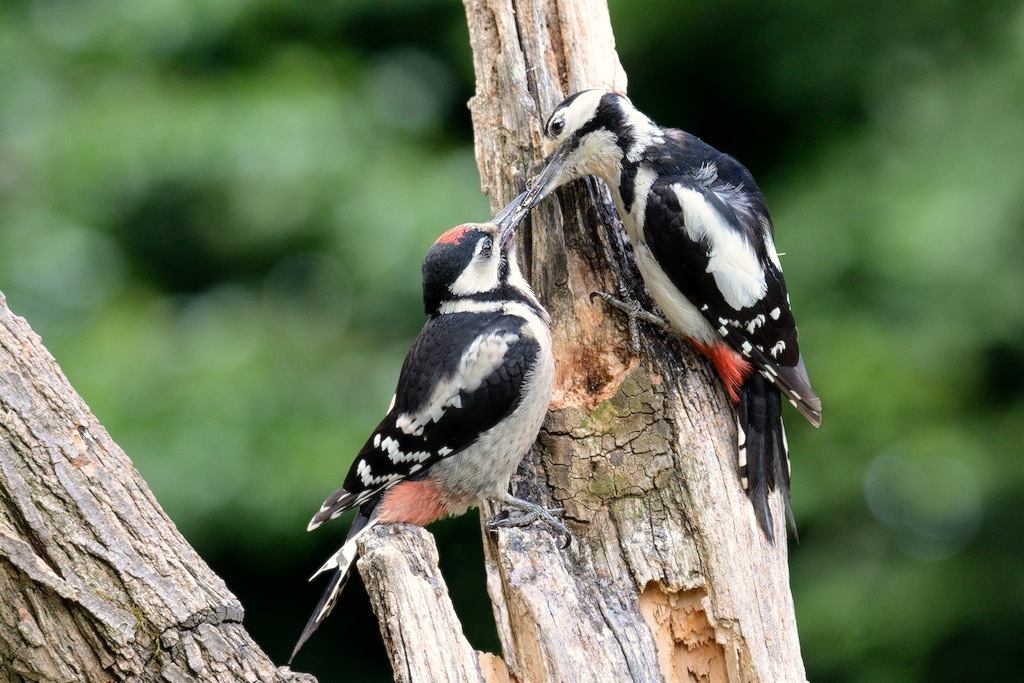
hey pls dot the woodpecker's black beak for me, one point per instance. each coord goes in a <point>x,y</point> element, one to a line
<point>542,186</point>
<point>508,219</point>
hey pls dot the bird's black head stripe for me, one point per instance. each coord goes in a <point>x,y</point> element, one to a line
<point>609,116</point>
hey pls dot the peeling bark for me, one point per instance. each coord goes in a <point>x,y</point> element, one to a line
<point>97,583</point>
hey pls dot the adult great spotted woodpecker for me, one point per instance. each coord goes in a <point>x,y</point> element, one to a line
<point>471,397</point>
<point>704,246</point>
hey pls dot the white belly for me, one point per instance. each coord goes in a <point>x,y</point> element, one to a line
<point>684,316</point>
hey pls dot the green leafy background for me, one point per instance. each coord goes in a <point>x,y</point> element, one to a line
<point>214,213</point>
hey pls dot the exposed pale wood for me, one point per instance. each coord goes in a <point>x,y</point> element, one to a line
<point>96,582</point>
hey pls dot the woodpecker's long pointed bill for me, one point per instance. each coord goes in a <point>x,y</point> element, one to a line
<point>508,219</point>
<point>542,186</point>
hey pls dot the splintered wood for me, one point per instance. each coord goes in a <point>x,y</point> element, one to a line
<point>687,648</point>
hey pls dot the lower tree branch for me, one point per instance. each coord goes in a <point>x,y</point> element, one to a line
<point>422,633</point>
<point>97,583</point>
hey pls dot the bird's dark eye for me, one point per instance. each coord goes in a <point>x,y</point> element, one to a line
<point>556,127</point>
<point>487,247</point>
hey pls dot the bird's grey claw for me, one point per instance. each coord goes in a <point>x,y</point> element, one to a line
<point>634,313</point>
<point>527,514</point>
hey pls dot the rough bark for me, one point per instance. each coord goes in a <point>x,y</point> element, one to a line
<point>668,576</point>
<point>421,631</point>
<point>96,582</point>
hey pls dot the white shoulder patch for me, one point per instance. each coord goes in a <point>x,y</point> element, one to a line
<point>479,361</point>
<point>731,260</point>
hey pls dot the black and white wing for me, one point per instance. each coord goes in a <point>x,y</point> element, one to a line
<point>463,374</point>
<point>708,227</point>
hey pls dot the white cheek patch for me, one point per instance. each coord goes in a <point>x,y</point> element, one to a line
<point>481,275</point>
<point>731,260</point>
<point>598,154</point>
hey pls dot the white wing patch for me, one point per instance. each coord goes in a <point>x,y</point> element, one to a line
<point>479,361</point>
<point>396,455</point>
<point>731,260</point>
<point>370,481</point>
<point>755,323</point>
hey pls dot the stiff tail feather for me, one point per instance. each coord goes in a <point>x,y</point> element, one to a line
<point>341,562</point>
<point>763,452</point>
<point>796,387</point>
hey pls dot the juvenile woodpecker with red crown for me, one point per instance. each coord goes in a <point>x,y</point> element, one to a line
<point>471,397</point>
<point>704,245</point>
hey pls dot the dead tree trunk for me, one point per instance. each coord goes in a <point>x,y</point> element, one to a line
<point>668,576</point>
<point>96,584</point>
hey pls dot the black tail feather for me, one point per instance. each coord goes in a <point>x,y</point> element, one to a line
<point>764,456</point>
<point>343,561</point>
<point>323,608</point>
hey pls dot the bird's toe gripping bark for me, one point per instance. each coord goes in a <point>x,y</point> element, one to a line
<point>527,513</point>
<point>634,313</point>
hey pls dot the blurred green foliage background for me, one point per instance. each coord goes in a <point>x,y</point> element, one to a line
<point>214,213</point>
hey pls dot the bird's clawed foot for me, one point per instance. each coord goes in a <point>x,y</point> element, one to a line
<point>527,513</point>
<point>634,313</point>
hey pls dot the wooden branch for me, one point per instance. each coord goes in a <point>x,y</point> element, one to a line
<point>421,631</point>
<point>97,583</point>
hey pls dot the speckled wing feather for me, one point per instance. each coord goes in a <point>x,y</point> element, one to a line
<point>443,407</point>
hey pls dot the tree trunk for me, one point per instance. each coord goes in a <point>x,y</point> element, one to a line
<point>96,582</point>
<point>668,576</point>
